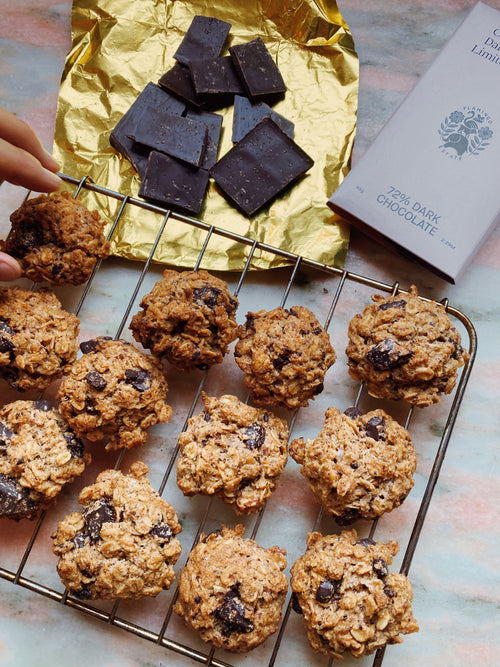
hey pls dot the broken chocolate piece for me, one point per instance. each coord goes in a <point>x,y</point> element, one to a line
<point>174,183</point>
<point>206,35</point>
<point>183,138</point>
<point>139,379</point>
<point>216,76</point>
<point>99,512</point>
<point>260,166</point>
<point>327,590</point>
<point>232,613</point>
<point>353,412</point>
<point>247,115</point>
<point>96,380</point>
<point>388,354</point>
<point>255,435</point>
<point>213,122</point>
<point>152,95</point>
<point>15,500</point>
<point>380,568</point>
<point>375,428</point>
<point>163,531</point>
<point>257,70</point>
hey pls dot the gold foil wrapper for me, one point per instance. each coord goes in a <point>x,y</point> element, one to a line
<point>118,46</point>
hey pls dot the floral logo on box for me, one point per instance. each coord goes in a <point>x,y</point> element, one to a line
<point>465,132</point>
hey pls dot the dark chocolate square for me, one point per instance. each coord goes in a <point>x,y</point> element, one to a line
<point>213,121</point>
<point>152,95</point>
<point>215,76</point>
<point>204,38</point>
<point>248,114</point>
<point>178,80</point>
<point>183,138</point>
<point>260,166</point>
<point>174,183</point>
<point>257,70</point>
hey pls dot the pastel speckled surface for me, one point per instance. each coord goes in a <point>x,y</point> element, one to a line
<point>455,569</point>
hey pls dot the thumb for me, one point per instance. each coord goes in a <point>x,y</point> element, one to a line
<point>10,269</point>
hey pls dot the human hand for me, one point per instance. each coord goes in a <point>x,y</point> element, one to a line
<point>24,162</point>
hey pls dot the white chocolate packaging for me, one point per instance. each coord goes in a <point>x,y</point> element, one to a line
<point>430,181</point>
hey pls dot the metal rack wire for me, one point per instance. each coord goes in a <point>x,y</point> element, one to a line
<point>343,282</point>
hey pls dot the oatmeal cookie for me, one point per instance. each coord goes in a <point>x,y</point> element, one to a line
<point>122,544</point>
<point>114,391</point>
<point>359,466</point>
<point>231,590</point>
<point>56,239</point>
<point>188,318</point>
<point>350,601</point>
<point>232,450</point>
<point>38,339</point>
<point>39,454</point>
<point>284,354</point>
<point>405,348</point>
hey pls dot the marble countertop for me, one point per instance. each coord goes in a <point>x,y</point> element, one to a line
<point>455,569</point>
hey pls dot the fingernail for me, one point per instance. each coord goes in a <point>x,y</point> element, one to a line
<point>52,163</point>
<point>53,181</point>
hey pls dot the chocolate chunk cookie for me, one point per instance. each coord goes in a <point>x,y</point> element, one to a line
<point>38,339</point>
<point>114,392</point>
<point>405,348</point>
<point>56,239</point>
<point>188,318</point>
<point>231,590</point>
<point>359,466</point>
<point>39,454</point>
<point>122,544</point>
<point>284,355</point>
<point>350,601</point>
<point>234,451</point>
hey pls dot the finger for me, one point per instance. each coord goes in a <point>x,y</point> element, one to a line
<point>17,132</point>
<point>10,269</point>
<point>20,167</point>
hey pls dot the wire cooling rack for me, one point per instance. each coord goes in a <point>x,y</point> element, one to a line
<point>334,295</point>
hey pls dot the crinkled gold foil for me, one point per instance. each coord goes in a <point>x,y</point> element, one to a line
<point>120,45</point>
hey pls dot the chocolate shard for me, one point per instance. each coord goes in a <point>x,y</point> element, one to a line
<point>260,166</point>
<point>15,500</point>
<point>388,354</point>
<point>255,436</point>
<point>95,515</point>
<point>257,70</point>
<point>206,35</point>
<point>173,183</point>
<point>183,138</point>
<point>231,613</point>
<point>216,76</point>
<point>248,114</point>
<point>213,122</point>
<point>151,95</point>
